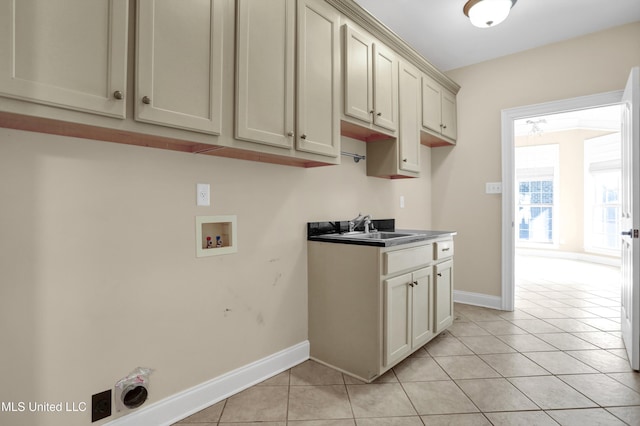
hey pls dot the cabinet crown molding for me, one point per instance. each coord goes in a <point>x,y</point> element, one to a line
<point>360,16</point>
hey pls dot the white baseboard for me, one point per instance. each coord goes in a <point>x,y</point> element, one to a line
<point>190,401</point>
<point>477,299</point>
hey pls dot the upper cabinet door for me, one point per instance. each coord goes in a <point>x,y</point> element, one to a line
<point>449,115</point>
<point>66,53</point>
<point>265,64</point>
<point>179,64</point>
<point>385,75</point>
<point>431,104</point>
<point>318,96</point>
<point>358,78</point>
<point>409,117</point>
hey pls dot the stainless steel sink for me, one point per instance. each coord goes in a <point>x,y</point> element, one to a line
<point>377,238</point>
<point>376,235</point>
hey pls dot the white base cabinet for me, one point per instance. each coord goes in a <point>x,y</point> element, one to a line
<point>371,307</point>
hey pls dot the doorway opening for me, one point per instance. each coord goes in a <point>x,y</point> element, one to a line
<point>561,179</point>
<point>567,210</point>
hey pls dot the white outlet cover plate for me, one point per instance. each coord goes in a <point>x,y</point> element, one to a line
<point>493,188</point>
<point>203,196</point>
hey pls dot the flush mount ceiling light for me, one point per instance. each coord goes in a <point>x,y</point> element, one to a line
<point>488,13</point>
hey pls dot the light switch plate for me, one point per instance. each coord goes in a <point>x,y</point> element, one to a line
<point>493,188</point>
<point>203,196</point>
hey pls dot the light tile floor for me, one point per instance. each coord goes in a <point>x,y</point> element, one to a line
<point>557,359</point>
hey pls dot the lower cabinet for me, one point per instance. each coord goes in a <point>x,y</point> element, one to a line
<point>408,321</point>
<point>371,307</point>
<point>443,295</point>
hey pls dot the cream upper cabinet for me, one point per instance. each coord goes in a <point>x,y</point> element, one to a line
<point>318,78</point>
<point>265,71</point>
<point>286,58</point>
<point>438,109</point>
<point>385,86</point>
<point>179,64</point>
<point>449,115</point>
<point>370,80</point>
<point>409,117</point>
<point>399,157</point>
<point>66,53</point>
<point>431,104</point>
<point>358,75</point>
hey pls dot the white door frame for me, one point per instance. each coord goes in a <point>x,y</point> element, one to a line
<point>508,173</point>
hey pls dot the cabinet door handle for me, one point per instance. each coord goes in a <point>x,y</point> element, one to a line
<point>379,114</point>
<point>118,95</point>
<point>290,134</point>
<point>439,274</point>
<point>411,284</point>
<point>415,283</point>
<point>446,249</point>
<point>303,136</point>
<point>371,112</point>
<point>146,100</point>
<point>444,126</point>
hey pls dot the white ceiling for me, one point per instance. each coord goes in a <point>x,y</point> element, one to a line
<point>439,30</point>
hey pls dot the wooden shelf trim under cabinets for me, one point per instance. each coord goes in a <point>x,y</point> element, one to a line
<point>62,128</point>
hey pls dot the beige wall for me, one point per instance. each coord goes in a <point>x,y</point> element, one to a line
<point>98,270</point>
<point>595,63</point>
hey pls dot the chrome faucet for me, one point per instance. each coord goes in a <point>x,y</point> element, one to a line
<point>366,219</point>
<point>367,224</point>
<point>352,222</point>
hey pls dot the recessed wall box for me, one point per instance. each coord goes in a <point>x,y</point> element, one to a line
<point>216,235</point>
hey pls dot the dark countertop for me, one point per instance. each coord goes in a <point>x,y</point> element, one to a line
<point>318,231</point>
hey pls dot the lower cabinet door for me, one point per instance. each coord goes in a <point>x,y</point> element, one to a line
<point>443,295</point>
<point>422,315</point>
<point>397,318</point>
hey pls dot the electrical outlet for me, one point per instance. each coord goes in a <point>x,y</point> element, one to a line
<point>402,201</point>
<point>493,188</point>
<point>100,405</point>
<point>203,194</point>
